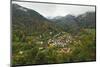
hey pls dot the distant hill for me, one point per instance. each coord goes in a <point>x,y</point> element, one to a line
<point>72,24</point>
<point>69,23</point>
<point>87,20</point>
<point>30,20</point>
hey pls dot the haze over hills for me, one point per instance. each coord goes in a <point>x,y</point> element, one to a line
<point>30,20</point>
<point>86,20</point>
<point>37,22</point>
<point>69,23</point>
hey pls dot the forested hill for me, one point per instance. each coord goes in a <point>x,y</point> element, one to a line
<point>30,20</point>
<point>87,20</point>
<point>24,18</point>
<point>71,23</point>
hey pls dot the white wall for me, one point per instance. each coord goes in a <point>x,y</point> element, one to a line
<point>5,33</point>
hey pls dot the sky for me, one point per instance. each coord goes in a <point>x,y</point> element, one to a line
<point>53,10</point>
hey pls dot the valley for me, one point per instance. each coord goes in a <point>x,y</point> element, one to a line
<point>38,40</point>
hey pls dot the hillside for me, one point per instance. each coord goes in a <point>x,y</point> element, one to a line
<point>38,40</point>
<point>87,20</point>
<point>68,23</point>
<point>35,22</point>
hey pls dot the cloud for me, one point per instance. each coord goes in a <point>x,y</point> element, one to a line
<point>52,10</point>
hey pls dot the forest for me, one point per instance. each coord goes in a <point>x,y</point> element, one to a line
<point>39,40</point>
